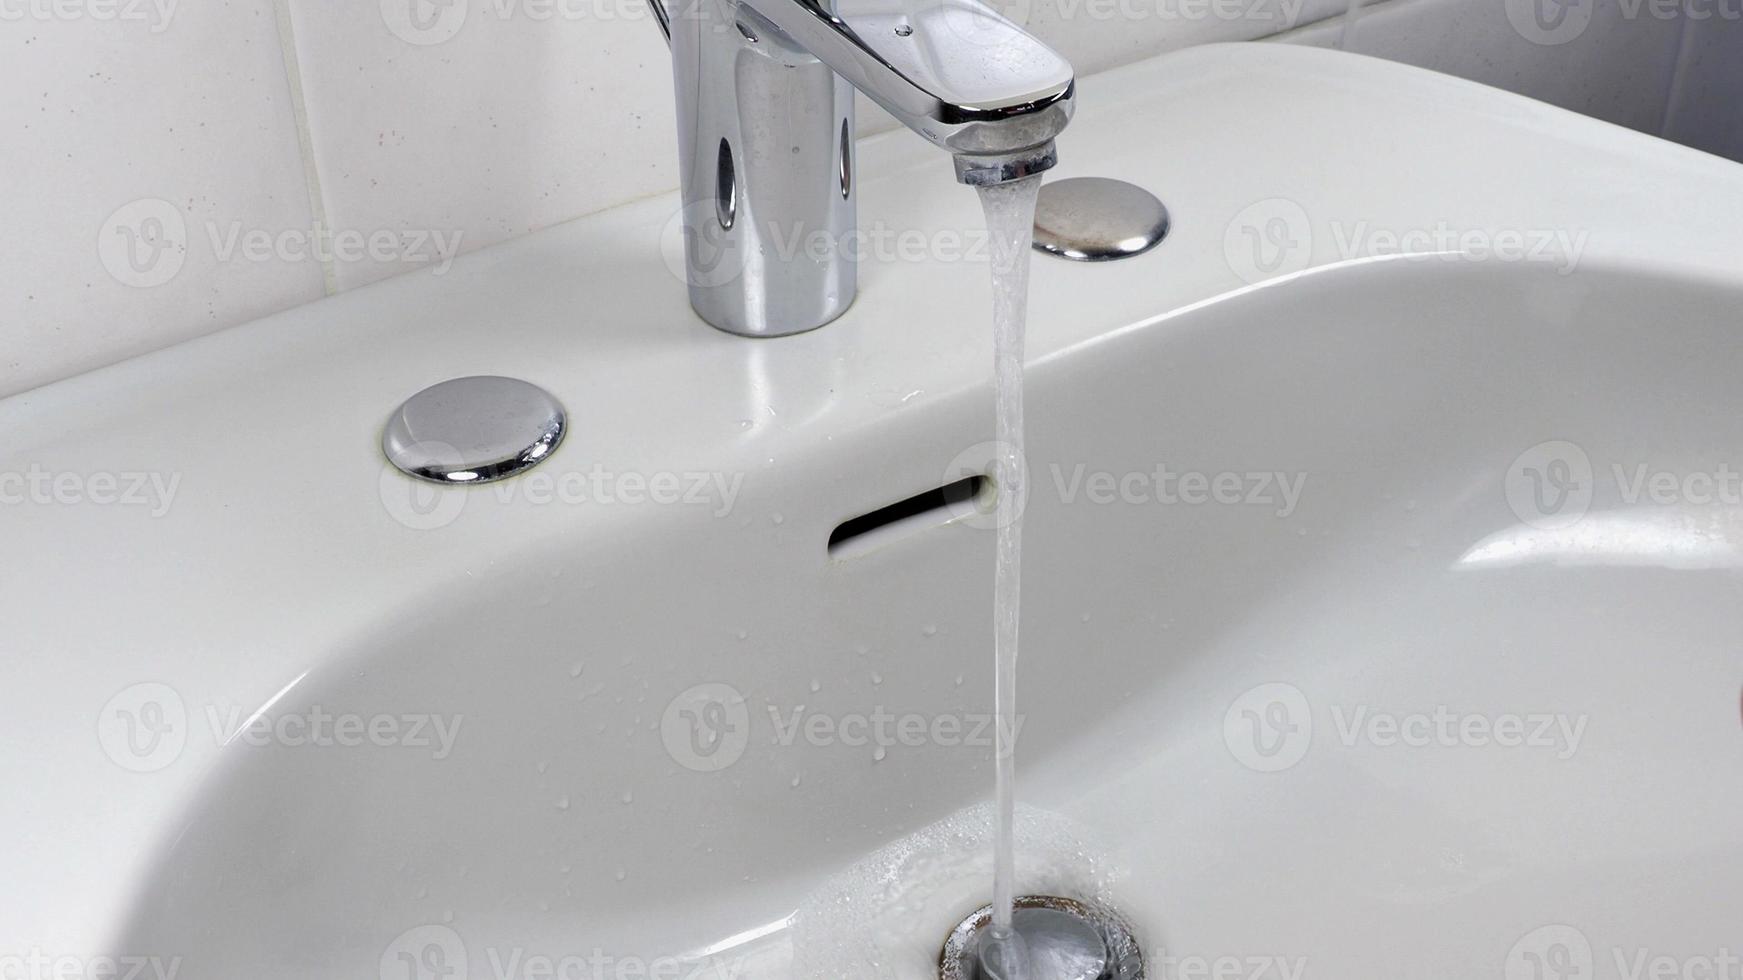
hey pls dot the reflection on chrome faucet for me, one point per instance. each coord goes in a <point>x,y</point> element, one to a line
<point>765,131</point>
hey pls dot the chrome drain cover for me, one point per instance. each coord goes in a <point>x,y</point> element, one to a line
<point>1067,940</point>
<point>474,430</point>
<point>1098,219</point>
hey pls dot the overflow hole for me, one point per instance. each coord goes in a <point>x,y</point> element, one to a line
<point>934,507</point>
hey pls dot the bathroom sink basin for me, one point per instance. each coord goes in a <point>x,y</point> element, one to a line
<point>1384,549</point>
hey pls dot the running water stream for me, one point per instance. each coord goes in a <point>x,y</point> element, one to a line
<point>1010,217</point>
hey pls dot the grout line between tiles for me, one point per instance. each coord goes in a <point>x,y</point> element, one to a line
<point>1679,70</point>
<point>305,144</point>
<point>1366,8</point>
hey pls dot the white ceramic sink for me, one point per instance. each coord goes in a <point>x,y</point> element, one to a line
<point>1441,680</point>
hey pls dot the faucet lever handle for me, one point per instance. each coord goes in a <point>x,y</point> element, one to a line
<point>955,71</point>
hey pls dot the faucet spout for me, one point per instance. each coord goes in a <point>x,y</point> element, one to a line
<point>765,130</point>
<point>981,169</point>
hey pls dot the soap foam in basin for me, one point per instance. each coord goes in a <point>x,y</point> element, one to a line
<point>886,917</point>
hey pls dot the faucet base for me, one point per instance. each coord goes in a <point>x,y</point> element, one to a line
<point>765,136</point>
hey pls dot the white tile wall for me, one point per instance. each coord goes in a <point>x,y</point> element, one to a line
<point>483,119</point>
<point>408,128</point>
<point>186,109</point>
<point>1599,60</point>
<point>1706,104</point>
<point>1100,34</point>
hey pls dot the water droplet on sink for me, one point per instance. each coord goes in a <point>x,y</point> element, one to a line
<point>746,423</point>
<point>929,630</point>
<point>1084,617</point>
<point>542,766</point>
<point>778,519</point>
<point>879,754</point>
<point>877,679</point>
<point>562,803</point>
<point>628,796</point>
<point>816,686</point>
<point>575,671</point>
<point>797,780</point>
<point>622,874</point>
<point>743,635</point>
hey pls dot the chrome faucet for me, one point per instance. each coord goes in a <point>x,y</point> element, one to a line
<point>765,134</point>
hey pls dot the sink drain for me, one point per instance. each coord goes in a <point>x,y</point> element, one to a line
<point>1066,940</point>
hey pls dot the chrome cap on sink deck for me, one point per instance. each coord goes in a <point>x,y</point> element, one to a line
<point>1098,219</point>
<point>474,430</point>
